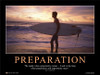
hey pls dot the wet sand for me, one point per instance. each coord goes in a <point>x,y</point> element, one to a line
<point>15,49</point>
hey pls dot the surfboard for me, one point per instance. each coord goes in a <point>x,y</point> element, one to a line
<point>50,29</point>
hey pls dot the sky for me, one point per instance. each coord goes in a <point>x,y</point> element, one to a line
<point>66,14</point>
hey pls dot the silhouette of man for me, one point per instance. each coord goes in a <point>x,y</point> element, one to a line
<point>55,35</point>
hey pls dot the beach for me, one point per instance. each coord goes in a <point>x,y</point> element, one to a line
<point>21,39</point>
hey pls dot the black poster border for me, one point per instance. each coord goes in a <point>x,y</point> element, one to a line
<point>7,60</point>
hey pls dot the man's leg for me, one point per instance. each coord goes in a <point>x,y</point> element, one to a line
<point>52,46</point>
<point>56,41</point>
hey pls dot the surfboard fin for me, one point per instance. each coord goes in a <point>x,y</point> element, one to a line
<point>78,34</point>
<point>78,37</point>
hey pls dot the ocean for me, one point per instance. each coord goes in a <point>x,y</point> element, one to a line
<point>20,38</point>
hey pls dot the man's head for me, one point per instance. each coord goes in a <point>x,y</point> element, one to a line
<point>54,14</point>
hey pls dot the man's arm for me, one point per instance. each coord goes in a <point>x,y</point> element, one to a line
<point>58,27</point>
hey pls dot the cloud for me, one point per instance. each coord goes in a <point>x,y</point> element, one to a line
<point>44,13</point>
<point>88,17</point>
<point>82,10</point>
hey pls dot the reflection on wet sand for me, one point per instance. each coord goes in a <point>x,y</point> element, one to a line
<point>34,50</point>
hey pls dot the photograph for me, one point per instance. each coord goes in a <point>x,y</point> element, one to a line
<point>49,29</point>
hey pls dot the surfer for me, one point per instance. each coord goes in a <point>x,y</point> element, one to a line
<point>55,35</point>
